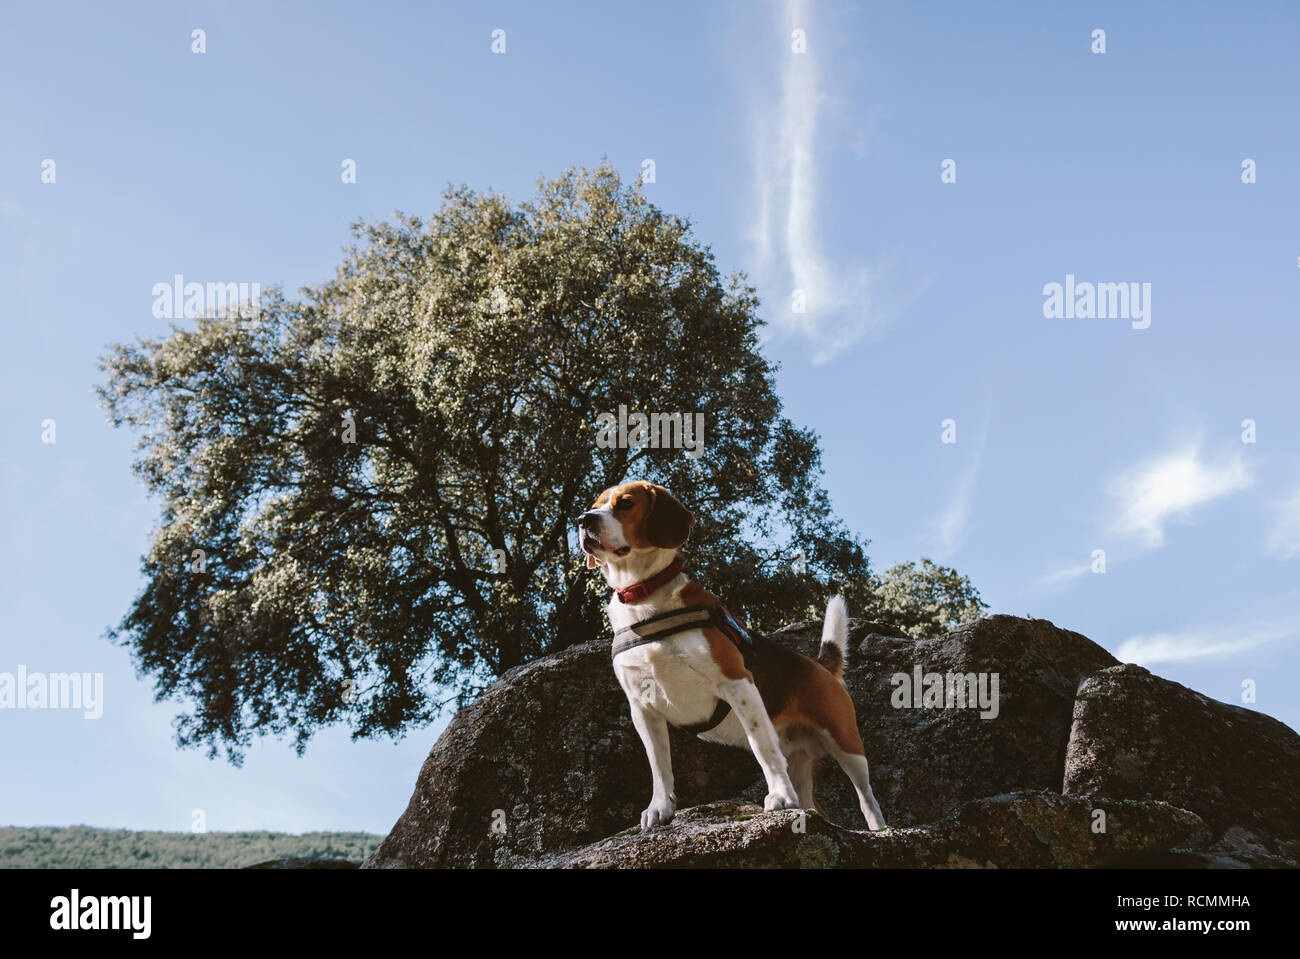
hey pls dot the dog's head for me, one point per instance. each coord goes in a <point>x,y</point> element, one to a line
<point>629,521</point>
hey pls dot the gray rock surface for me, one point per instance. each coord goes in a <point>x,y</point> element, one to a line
<point>299,862</point>
<point>1020,830</point>
<point>926,762</point>
<point>1137,736</point>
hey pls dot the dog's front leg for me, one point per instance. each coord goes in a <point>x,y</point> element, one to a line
<point>653,729</point>
<point>747,704</point>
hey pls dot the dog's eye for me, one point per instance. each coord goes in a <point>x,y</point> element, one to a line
<point>623,504</point>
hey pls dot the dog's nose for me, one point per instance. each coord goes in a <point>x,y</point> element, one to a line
<point>589,521</point>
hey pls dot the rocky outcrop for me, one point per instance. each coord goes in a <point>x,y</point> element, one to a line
<point>926,762</point>
<point>546,769</point>
<point>1137,736</point>
<point>545,760</point>
<point>1019,830</point>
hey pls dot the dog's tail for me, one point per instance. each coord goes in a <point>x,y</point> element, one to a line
<point>835,636</point>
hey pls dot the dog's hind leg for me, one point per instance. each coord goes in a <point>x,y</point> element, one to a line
<point>855,766</point>
<point>801,764</point>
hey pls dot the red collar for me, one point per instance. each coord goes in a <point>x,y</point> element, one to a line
<point>640,592</point>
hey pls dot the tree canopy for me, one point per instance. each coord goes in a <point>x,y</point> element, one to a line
<point>925,600</point>
<point>368,492</point>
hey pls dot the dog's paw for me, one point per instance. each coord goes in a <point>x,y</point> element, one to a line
<point>780,800</point>
<point>657,814</point>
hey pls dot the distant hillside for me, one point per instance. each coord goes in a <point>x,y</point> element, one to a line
<point>84,847</point>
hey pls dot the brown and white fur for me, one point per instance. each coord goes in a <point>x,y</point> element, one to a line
<point>789,710</point>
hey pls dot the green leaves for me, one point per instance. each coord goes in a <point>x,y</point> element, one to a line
<point>383,476</point>
<point>926,600</point>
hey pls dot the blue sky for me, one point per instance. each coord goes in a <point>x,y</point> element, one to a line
<point>817,171</point>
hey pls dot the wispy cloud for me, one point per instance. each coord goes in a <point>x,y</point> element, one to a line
<point>1284,539</point>
<point>1199,644</point>
<point>952,523</point>
<point>1170,487</point>
<point>1065,574</point>
<point>950,527</point>
<point>788,227</point>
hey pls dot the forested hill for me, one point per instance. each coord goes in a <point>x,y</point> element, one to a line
<point>85,847</point>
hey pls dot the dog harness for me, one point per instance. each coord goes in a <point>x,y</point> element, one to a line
<point>675,621</point>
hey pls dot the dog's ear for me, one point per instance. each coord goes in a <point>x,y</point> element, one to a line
<point>592,562</point>
<point>669,522</point>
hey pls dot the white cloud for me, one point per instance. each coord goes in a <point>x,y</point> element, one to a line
<point>1198,644</point>
<point>1171,487</point>
<point>1284,540</point>
<point>788,226</point>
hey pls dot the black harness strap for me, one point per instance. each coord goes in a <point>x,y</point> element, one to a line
<point>719,714</point>
<point>675,621</point>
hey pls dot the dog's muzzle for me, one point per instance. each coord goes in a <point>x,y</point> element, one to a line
<point>589,535</point>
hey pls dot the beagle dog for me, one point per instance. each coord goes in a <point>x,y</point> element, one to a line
<point>785,707</point>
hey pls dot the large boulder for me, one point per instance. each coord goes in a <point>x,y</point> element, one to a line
<point>547,759</point>
<point>925,761</point>
<point>1137,736</point>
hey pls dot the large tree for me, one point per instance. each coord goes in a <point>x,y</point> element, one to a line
<point>368,493</point>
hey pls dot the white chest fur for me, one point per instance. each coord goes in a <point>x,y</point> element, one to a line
<point>675,677</point>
